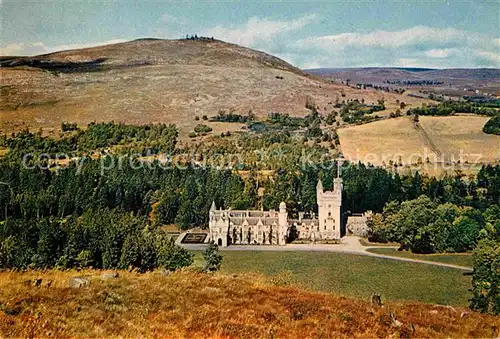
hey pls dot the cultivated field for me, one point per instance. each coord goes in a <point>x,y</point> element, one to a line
<point>188,305</point>
<point>382,141</point>
<point>462,137</point>
<point>441,140</point>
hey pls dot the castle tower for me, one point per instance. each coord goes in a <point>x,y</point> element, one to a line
<point>282,224</point>
<point>329,210</point>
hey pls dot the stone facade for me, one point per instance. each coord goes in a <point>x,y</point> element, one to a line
<point>357,224</point>
<point>229,227</point>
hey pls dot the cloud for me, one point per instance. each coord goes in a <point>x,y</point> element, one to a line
<point>491,56</point>
<point>37,48</point>
<point>439,53</point>
<point>258,30</point>
<point>417,46</point>
<point>419,35</point>
<point>173,20</point>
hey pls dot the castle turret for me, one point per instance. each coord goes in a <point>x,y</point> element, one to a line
<point>283,224</point>
<point>319,187</point>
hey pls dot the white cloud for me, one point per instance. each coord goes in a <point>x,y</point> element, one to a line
<point>258,30</point>
<point>37,48</point>
<point>173,20</point>
<point>439,53</point>
<point>417,46</point>
<point>491,56</point>
<point>418,35</point>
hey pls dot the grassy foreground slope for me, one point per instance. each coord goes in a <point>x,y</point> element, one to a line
<point>355,275</point>
<point>188,304</point>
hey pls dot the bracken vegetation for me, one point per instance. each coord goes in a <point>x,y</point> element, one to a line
<point>191,304</point>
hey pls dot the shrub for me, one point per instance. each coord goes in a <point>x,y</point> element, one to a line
<point>492,126</point>
<point>202,128</point>
<point>213,259</point>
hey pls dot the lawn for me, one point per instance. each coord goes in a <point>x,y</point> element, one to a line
<point>353,275</point>
<point>462,259</point>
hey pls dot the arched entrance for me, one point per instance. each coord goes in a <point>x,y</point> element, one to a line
<point>219,242</point>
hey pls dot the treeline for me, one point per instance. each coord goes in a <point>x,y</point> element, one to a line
<point>223,116</point>
<point>451,107</point>
<point>414,82</point>
<point>109,239</point>
<point>134,186</point>
<point>153,137</point>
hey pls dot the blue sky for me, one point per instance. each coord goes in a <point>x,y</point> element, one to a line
<point>308,34</point>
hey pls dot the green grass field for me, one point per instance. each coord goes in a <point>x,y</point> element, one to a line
<point>353,275</point>
<point>463,259</point>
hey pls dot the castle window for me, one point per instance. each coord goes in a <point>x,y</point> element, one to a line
<point>329,214</point>
<point>325,227</point>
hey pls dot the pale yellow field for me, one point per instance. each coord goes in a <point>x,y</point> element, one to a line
<point>441,140</point>
<point>382,141</point>
<point>461,138</point>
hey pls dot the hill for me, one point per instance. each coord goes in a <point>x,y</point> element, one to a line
<point>152,80</point>
<point>189,304</point>
<point>453,82</point>
<point>379,74</point>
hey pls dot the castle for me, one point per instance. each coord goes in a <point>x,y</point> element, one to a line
<point>272,227</point>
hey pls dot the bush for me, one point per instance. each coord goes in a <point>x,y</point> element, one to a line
<point>171,256</point>
<point>66,126</point>
<point>492,126</point>
<point>202,128</point>
<point>192,135</point>
<point>213,259</point>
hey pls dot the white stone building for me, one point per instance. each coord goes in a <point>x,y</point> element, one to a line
<point>357,224</point>
<point>229,227</point>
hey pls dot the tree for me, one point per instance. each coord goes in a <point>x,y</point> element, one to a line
<point>486,277</point>
<point>171,256</point>
<point>213,259</point>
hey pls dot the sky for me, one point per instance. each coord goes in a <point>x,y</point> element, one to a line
<point>367,33</point>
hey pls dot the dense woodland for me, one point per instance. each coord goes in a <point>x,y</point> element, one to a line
<point>96,212</point>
